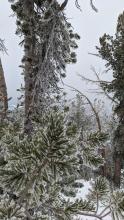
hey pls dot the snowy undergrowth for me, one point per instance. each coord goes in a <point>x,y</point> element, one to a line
<point>82,194</point>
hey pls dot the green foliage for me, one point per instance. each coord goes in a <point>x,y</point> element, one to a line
<point>48,147</point>
<point>90,157</point>
<point>110,201</point>
<point>100,189</point>
<point>82,205</point>
<point>78,114</point>
<point>97,137</point>
<point>112,51</point>
<point>43,169</point>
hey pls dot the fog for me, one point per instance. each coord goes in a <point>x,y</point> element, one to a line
<point>87,23</point>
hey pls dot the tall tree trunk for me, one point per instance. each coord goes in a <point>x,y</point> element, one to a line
<point>117,170</point>
<point>102,169</point>
<point>118,151</point>
<point>3,94</point>
<point>28,58</point>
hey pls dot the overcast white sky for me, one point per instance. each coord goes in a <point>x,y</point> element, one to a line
<point>88,24</point>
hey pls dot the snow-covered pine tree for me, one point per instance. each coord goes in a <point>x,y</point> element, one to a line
<point>78,113</point>
<point>37,176</point>
<point>111,50</point>
<point>48,41</point>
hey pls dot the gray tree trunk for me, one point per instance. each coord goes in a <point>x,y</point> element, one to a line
<point>28,71</point>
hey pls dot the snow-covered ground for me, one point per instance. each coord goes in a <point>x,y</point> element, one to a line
<point>82,194</point>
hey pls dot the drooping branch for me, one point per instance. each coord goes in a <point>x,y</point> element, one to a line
<point>77,5</point>
<point>91,105</point>
<point>93,6</point>
<point>91,3</point>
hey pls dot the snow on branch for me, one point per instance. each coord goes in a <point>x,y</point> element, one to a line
<point>2,46</point>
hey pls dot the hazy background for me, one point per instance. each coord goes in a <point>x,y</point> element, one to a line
<point>88,24</point>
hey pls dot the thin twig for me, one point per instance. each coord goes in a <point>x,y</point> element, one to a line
<point>101,85</point>
<point>91,105</point>
<point>93,81</point>
<point>97,207</point>
<point>106,214</point>
<point>104,210</point>
<point>77,5</point>
<point>90,215</point>
<point>93,6</point>
<point>95,54</point>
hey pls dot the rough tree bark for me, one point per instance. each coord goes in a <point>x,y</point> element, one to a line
<point>118,152</point>
<point>117,170</point>
<point>28,70</point>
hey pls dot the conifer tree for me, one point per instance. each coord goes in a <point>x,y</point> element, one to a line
<point>48,41</point>
<point>39,178</point>
<point>112,51</point>
<point>38,175</point>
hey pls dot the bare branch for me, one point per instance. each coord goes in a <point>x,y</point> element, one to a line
<point>90,215</point>
<point>77,5</point>
<point>91,105</point>
<point>93,6</point>
<point>106,214</point>
<point>91,3</point>
<point>101,85</point>
<point>95,54</point>
<point>93,81</point>
<point>104,210</point>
